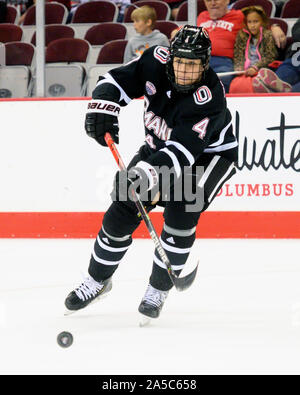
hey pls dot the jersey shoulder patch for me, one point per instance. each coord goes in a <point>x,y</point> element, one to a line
<point>202,95</point>
<point>162,54</point>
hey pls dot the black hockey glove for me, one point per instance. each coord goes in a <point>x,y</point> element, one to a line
<point>142,178</point>
<point>102,117</point>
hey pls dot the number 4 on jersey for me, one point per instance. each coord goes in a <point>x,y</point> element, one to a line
<point>201,127</point>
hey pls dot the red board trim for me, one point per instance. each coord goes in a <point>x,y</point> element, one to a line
<point>211,225</point>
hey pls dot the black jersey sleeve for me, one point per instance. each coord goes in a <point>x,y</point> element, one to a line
<point>130,78</point>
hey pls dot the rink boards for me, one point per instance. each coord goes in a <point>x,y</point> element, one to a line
<point>56,182</point>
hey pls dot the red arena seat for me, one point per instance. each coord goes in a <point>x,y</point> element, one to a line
<point>54,13</point>
<point>267,5</point>
<point>112,52</point>
<point>104,32</point>
<point>183,10</point>
<point>291,9</point>
<point>12,14</point>
<point>163,10</point>
<point>19,53</point>
<point>166,27</point>
<point>95,12</point>
<point>10,32</point>
<point>67,50</point>
<point>54,32</point>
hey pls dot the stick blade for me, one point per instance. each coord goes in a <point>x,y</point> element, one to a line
<point>182,283</point>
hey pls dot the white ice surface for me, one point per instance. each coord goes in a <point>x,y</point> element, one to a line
<point>241,316</point>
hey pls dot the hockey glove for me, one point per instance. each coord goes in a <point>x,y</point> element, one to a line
<point>102,117</point>
<point>142,178</point>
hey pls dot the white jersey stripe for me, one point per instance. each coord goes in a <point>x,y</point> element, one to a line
<point>222,147</point>
<point>175,249</point>
<point>220,181</point>
<point>108,248</point>
<point>181,148</point>
<point>221,137</point>
<point>111,80</point>
<point>174,160</point>
<point>163,266</point>
<point>103,261</point>
<point>179,232</point>
<point>124,238</point>
<point>208,170</point>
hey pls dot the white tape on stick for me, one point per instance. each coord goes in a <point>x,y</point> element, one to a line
<point>230,73</point>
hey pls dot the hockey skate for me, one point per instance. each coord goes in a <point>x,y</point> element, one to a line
<point>88,292</point>
<point>151,304</point>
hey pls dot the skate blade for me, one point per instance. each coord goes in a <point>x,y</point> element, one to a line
<point>69,312</point>
<point>144,321</point>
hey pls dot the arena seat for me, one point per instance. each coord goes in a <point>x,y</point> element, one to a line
<point>182,14</point>
<point>112,52</point>
<point>67,50</point>
<point>291,9</point>
<point>12,14</point>
<point>94,73</point>
<point>281,22</point>
<point>103,32</point>
<point>54,32</point>
<point>267,5</point>
<point>96,12</point>
<point>163,10</point>
<point>100,34</point>
<point>65,71</point>
<point>127,15</point>
<point>19,53</point>
<point>166,27</point>
<point>54,13</point>
<point>10,32</point>
<point>64,80</point>
<point>66,3</point>
<point>15,76</point>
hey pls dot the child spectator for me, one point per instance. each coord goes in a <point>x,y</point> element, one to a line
<point>254,48</point>
<point>287,76</point>
<point>144,19</point>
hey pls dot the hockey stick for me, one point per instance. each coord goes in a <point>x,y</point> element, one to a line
<point>181,283</point>
<point>230,73</point>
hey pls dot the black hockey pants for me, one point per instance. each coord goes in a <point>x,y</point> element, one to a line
<point>180,221</point>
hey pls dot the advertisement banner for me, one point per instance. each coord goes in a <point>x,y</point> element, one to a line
<point>56,182</point>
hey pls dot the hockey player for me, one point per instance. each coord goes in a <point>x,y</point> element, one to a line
<point>187,125</point>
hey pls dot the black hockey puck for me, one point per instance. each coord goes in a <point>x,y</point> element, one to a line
<point>65,339</point>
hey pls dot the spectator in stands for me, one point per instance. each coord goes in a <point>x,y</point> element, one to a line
<point>144,19</point>
<point>174,5</point>
<point>223,25</point>
<point>26,5</point>
<point>254,48</point>
<point>122,5</point>
<point>287,76</point>
<point>3,11</point>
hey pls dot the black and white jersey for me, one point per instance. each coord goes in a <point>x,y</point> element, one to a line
<point>179,127</point>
